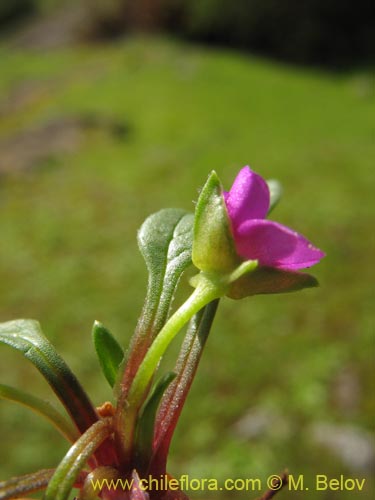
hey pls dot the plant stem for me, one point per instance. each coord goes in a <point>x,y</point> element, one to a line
<point>206,291</point>
<point>283,481</point>
<point>175,396</point>
<point>201,296</point>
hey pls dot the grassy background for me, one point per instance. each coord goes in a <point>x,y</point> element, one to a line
<point>68,251</point>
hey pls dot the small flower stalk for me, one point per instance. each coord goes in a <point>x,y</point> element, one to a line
<point>117,447</point>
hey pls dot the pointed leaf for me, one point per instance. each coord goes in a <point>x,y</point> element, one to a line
<point>24,485</point>
<point>27,337</point>
<point>146,421</point>
<point>109,352</point>
<point>72,464</point>
<point>265,280</point>
<point>41,407</point>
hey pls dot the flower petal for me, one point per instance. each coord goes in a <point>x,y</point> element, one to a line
<point>248,198</point>
<point>275,245</point>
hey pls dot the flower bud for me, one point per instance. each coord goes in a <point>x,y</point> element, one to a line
<point>213,245</point>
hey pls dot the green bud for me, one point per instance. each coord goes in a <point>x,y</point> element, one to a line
<point>213,245</point>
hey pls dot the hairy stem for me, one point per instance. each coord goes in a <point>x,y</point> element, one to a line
<point>205,292</point>
<point>175,396</point>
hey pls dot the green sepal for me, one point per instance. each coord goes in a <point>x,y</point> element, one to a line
<point>223,282</point>
<point>146,422</point>
<point>43,408</point>
<point>266,280</point>
<point>276,192</point>
<point>213,245</point>
<point>109,351</point>
<point>25,335</point>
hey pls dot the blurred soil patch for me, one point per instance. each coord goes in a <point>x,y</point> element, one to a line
<point>23,95</point>
<point>61,27</point>
<point>82,21</point>
<point>31,148</point>
<point>88,21</point>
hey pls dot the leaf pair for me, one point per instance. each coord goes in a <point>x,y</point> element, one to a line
<point>26,336</point>
<point>165,241</point>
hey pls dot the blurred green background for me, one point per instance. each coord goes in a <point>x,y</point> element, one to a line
<point>96,133</point>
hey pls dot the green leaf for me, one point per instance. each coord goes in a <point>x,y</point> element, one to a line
<point>24,485</point>
<point>266,280</point>
<point>26,336</point>
<point>146,422</point>
<point>276,192</point>
<point>43,408</point>
<point>74,461</point>
<point>213,247</point>
<point>165,241</point>
<point>109,352</point>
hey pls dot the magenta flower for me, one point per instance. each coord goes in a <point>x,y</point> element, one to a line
<point>256,238</point>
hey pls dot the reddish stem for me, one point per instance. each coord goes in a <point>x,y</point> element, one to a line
<point>284,478</point>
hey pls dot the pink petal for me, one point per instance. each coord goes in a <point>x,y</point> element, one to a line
<point>248,198</point>
<point>275,245</point>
